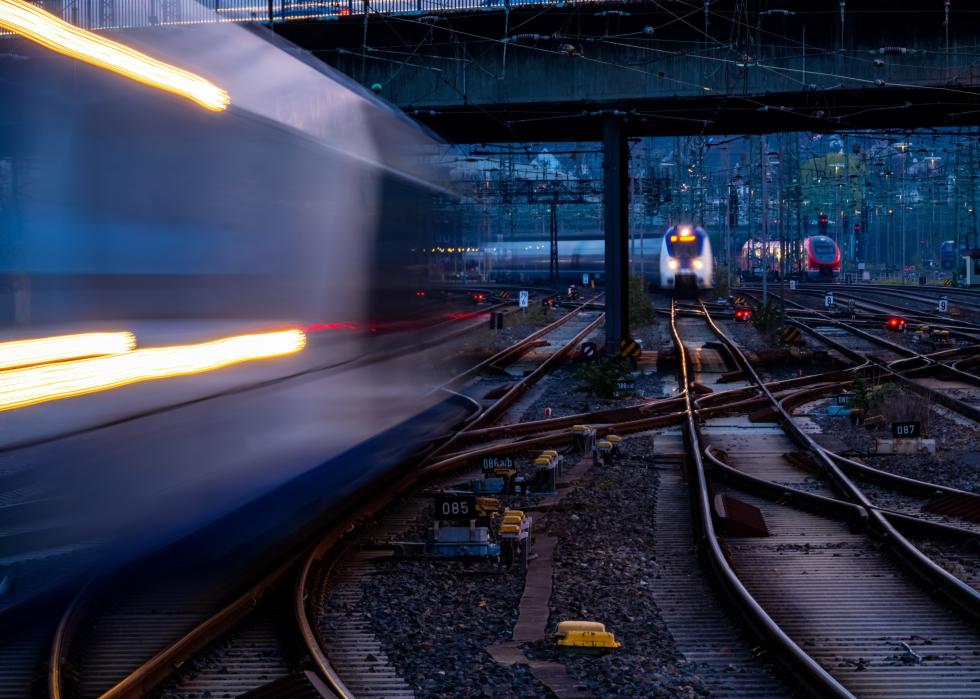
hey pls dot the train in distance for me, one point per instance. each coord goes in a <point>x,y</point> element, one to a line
<point>684,263</point>
<point>817,258</point>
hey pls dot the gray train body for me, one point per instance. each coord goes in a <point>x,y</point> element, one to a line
<point>528,261</point>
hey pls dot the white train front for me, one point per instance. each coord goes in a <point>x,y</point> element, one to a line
<point>685,259</point>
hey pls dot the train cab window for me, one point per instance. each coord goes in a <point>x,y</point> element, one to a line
<point>684,245</point>
<point>824,249</point>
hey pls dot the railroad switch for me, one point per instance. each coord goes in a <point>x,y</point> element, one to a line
<point>515,538</point>
<point>584,439</point>
<point>617,444</point>
<point>547,467</point>
<point>603,453</point>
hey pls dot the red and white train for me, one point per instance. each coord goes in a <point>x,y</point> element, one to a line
<point>818,259</point>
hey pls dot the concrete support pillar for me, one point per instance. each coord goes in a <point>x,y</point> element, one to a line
<point>616,230</point>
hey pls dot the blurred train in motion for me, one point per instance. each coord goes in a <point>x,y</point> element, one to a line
<point>818,258</point>
<point>686,263</point>
<point>306,204</point>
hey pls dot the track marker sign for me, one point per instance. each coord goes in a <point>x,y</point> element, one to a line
<point>505,294</point>
<point>589,350</point>
<point>943,304</point>
<point>625,386</point>
<point>947,282</point>
<point>522,298</point>
<point>455,507</point>
<point>585,278</point>
<point>792,285</point>
<point>493,462</point>
<point>906,430</point>
<point>828,299</point>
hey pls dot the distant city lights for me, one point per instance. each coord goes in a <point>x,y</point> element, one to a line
<point>23,387</point>
<point>21,353</point>
<point>37,25</point>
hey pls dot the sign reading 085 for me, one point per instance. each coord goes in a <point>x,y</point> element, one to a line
<point>455,506</point>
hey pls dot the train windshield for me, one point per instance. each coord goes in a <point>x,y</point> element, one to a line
<point>684,244</point>
<point>823,249</point>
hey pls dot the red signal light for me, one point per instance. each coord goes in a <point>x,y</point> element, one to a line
<point>896,323</point>
<point>420,293</point>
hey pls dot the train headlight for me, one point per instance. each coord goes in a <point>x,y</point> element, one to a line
<point>672,263</point>
<point>697,263</point>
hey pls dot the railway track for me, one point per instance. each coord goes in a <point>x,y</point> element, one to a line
<point>945,384</point>
<point>837,637</point>
<point>121,638</point>
<point>246,645</point>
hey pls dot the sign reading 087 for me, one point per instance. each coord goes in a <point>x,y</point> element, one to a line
<point>455,506</point>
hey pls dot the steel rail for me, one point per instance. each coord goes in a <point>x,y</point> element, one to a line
<point>812,676</point>
<point>934,577</point>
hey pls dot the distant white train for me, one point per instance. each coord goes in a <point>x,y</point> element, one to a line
<point>686,263</point>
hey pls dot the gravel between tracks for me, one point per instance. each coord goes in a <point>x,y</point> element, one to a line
<point>605,571</point>
<point>436,619</point>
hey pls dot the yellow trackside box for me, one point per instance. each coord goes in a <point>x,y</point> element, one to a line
<point>568,626</point>
<point>590,640</point>
<point>589,636</point>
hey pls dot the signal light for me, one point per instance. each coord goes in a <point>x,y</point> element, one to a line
<point>479,298</point>
<point>420,293</point>
<point>743,314</point>
<point>896,324</point>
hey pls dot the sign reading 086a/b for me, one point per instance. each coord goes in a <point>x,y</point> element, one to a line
<point>906,430</point>
<point>455,506</point>
<point>492,462</point>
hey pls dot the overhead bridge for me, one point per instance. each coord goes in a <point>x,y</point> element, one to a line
<point>554,71</point>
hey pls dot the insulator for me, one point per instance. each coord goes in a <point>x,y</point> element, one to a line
<point>522,37</point>
<point>893,50</point>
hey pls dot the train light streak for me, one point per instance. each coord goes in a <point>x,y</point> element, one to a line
<point>22,387</point>
<point>57,35</point>
<point>21,353</point>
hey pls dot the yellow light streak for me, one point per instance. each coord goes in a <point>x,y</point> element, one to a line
<point>57,35</point>
<point>22,387</point>
<point>21,353</point>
